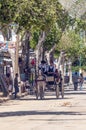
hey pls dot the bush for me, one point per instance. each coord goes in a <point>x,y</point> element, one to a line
<point>76,68</point>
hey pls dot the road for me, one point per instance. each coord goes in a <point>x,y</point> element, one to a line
<point>28,113</point>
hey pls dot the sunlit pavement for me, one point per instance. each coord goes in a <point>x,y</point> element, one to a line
<point>28,113</point>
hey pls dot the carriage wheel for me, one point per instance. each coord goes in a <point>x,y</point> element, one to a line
<point>41,93</point>
<point>57,91</point>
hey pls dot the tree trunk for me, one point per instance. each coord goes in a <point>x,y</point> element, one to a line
<point>50,52</point>
<point>70,72</point>
<point>27,44</point>
<point>39,49</point>
<point>16,54</point>
<point>47,57</point>
<point>43,52</point>
<point>3,85</point>
<point>59,60</point>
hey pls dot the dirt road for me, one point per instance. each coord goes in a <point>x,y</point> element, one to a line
<point>48,114</point>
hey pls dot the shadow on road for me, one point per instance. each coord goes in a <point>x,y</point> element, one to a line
<point>25,113</point>
<point>55,120</point>
<point>75,92</point>
<point>30,99</point>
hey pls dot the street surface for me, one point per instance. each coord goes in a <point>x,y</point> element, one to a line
<point>28,113</point>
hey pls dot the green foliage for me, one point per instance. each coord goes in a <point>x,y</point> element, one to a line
<point>34,39</point>
<point>83,56</point>
<point>63,20</point>
<point>40,15</point>
<point>84,68</point>
<point>56,53</point>
<point>52,38</point>
<point>71,43</point>
<point>81,24</point>
<point>8,10</point>
<point>76,68</point>
<point>34,16</point>
<point>31,15</point>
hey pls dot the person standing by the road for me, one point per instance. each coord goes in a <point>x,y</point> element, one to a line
<point>16,85</point>
<point>75,81</point>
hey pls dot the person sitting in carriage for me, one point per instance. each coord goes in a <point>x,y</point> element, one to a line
<point>50,79</point>
<point>51,69</point>
<point>43,67</point>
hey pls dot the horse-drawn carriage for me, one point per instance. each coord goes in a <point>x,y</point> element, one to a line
<point>49,82</point>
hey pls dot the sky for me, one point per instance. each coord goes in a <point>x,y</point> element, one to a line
<point>76,8</point>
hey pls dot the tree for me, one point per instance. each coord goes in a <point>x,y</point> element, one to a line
<point>8,13</point>
<point>71,43</point>
<point>45,17</point>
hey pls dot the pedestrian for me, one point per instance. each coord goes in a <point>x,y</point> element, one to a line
<point>81,80</point>
<point>26,73</point>
<point>16,88</point>
<point>75,79</point>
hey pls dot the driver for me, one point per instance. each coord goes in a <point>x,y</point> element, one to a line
<point>51,69</point>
